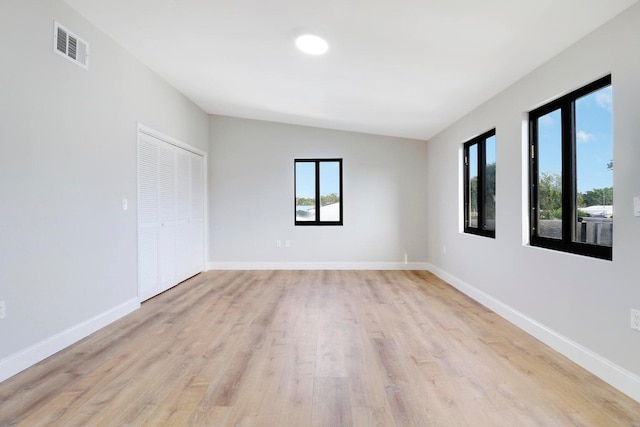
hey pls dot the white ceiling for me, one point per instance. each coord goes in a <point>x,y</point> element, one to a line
<point>403,68</point>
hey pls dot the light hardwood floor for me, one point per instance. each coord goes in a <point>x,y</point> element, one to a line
<point>311,348</point>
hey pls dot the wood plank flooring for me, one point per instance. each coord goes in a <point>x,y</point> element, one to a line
<point>311,348</point>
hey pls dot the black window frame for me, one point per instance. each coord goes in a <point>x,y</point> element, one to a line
<point>317,163</point>
<point>566,105</point>
<point>480,141</point>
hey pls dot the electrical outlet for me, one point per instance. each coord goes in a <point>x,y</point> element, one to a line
<point>278,243</point>
<point>635,319</point>
<point>3,310</point>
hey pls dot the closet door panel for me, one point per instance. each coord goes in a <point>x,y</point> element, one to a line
<point>170,215</point>
<point>183,206</point>
<point>196,229</point>
<point>166,256</point>
<point>147,261</point>
<point>197,187</point>
<point>147,181</point>
<point>196,248</point>
<point>147,214</point>
<point>167,183</point>
<point>183,185</point>
<point>183,251</point>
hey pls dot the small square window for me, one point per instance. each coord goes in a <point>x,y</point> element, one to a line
<point>318,191</point>
<point>480,185</point>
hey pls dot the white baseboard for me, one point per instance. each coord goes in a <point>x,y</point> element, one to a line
<point>625,381</point>
<point>317,266</point>
<point>11,365</point>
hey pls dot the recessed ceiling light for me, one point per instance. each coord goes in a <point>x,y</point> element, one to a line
<point>313,45</point>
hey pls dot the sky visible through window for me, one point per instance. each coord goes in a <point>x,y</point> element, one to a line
<point>490,150</point>
<point>306,181</point>
<point>593,141</point>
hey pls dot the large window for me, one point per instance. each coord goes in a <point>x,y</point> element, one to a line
<point>318,191</point>
<point>480,185</point>
<point>571,152</point>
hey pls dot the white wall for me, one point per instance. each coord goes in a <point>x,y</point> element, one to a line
<point>67,159</point>
<point>584,301</point>
<point>251,194</point>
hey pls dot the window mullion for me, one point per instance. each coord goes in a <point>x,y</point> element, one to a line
<point>467,186</point>
<point>533,176</point>
<point>482,191</point>
<point>317,163</point>
<point>568,171</point>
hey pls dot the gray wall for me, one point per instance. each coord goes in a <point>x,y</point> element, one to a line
<point>67,159</point>
<point>582,300</point>
<point>251,194</point>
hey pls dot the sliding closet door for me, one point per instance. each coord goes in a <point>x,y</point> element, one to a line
<point>170,215</point>
<point>183,243</point>
<point>190,215</point>
<point>167,216</point>
<point>196,225</point>
<point>147,214</point>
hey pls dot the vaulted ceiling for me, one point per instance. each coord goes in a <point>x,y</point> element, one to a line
<point>402,68</point>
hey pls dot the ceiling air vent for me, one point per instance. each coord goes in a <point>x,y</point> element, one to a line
<point>70,46</point>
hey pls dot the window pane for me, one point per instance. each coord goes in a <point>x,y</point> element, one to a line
<point>594,177</point>
<point>572,171</point>
<point>549,209</point>
<point>305,191</point>
<point>330,191</point>
<point>490,184</point>
<point>473,186</point>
